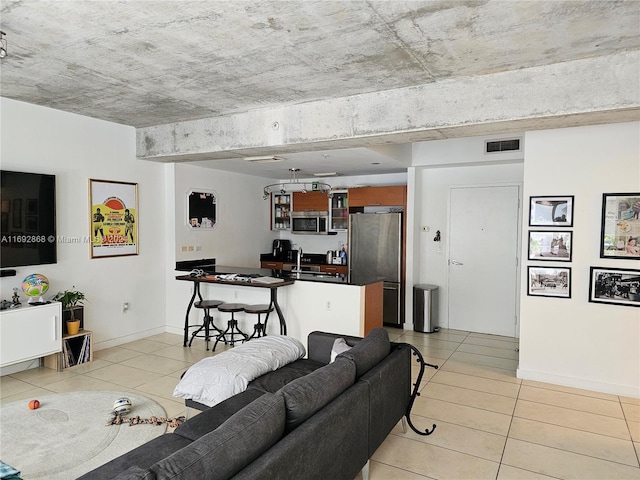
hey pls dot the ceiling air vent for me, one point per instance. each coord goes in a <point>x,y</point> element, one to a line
<point>510,145</point>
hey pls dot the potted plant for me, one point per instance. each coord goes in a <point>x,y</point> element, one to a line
<point>72,308</point>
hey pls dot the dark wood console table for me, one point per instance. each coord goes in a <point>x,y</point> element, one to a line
<point>273,287</point>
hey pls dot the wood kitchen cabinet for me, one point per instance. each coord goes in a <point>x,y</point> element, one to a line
<point>271,264</point>
<point>337,269</point>
<point>393,195</point>
<point>316,201</point>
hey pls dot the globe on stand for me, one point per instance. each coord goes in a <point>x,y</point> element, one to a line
<point>34,286</point>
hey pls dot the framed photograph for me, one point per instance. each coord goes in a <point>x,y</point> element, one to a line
<point>615,286</point>
<point>551,245</point>
<point>114,218</point>
<point>620,230</point>
<point>551,211</point>
<point>201,209</point>
<point>549,282</point>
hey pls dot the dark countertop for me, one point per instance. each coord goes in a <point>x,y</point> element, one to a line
<point>286,275</point>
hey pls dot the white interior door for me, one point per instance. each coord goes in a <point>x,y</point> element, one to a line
<point>483,249</point>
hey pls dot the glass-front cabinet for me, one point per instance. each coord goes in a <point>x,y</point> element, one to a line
<point>281,211</point>
<point>338,211</point>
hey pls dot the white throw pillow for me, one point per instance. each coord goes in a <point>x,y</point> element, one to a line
<point>339,346</point>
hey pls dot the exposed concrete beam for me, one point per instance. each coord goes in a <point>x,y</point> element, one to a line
<point>587,91</point>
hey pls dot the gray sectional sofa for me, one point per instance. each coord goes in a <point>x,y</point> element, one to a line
<point>311,419</point>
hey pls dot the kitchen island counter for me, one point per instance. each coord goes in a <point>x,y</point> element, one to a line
<point>310,302</point>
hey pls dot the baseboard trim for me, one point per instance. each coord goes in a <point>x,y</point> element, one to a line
<point>114,342</point>
<point>582,383</point>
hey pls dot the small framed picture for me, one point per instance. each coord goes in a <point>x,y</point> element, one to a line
<point>551,245</point>
<point>620,229</point>
<point>549,282</point>
<point>551,211</point>
<point>615,286</point>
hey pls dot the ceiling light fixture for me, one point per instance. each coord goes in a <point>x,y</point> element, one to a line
<point>294,185</point>
<point>326,174</point>
<point>3,45</point>
<point>265,159</point>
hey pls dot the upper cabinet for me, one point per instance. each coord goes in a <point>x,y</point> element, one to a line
<point>315,201</point>
<point>338,211</point>
<point>394,195</point>
<point>281,211</point>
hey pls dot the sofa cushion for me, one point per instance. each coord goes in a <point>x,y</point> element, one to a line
<point>136,473</point>
<point>305,396</point>
<point>369,351</point>
<point>274,381</point>
<point>213,417</point>
<point>143,456</point>
<point>237,442</point>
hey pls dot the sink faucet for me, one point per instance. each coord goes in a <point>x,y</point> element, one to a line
<point>298,267</point>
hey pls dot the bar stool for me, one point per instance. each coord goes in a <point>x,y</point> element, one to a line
<point>259,329</point>
<point>232,325</point>
<point>207,323</point>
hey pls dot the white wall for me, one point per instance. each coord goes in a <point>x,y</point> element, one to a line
<point>571,341</point>
<point>439,166</point>
<point>76,148</point>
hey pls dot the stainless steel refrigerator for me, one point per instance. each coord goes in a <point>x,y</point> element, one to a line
<point>375,252</point>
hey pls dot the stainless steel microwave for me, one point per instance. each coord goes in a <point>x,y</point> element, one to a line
<point>310,222</point>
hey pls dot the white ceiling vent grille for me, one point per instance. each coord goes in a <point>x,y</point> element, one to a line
<point>508,145</point>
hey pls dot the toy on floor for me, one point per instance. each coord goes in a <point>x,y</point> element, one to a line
<point>122,406</point>
<point>34,404</point>
<point>119,420</point>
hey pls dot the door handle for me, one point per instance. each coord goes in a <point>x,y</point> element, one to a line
<point>455,262</point>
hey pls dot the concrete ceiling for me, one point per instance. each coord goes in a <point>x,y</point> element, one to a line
<point>150,63</point>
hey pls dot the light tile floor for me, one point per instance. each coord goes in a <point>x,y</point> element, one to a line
<point>490,425</point>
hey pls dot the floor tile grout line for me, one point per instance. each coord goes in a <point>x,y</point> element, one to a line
<point>418,442</point>
<point>476,390</point>
<point>626,420</point>
<point>483,378</point>
<point>571,428</point>
<point>573,409</point>
<point>432,419</point>
<point>464,405</point>
<point>574,453</point>
<point>504,447</point>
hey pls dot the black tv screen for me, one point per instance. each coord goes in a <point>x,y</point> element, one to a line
<point>28,221</point>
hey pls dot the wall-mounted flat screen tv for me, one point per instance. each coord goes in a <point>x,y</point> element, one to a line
<point>28,219</point>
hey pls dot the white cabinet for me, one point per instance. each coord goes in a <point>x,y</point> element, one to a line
<point>30,332</point>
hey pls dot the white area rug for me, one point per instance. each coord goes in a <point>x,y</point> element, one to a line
<point>67,436</point>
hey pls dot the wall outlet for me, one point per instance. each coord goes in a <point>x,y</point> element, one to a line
<point>125,307</point>
<point>328,305</point>
<point>235,294</point>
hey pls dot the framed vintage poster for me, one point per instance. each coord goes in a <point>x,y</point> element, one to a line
<point>615,286</point>
<point>620,229</point>
<point>551,211</point>
<point>201,209</point>
<point>549,282</point>
<point>114,218</point>
<point>550,245</point>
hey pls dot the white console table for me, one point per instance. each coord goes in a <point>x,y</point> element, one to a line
<point>30,332</point>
